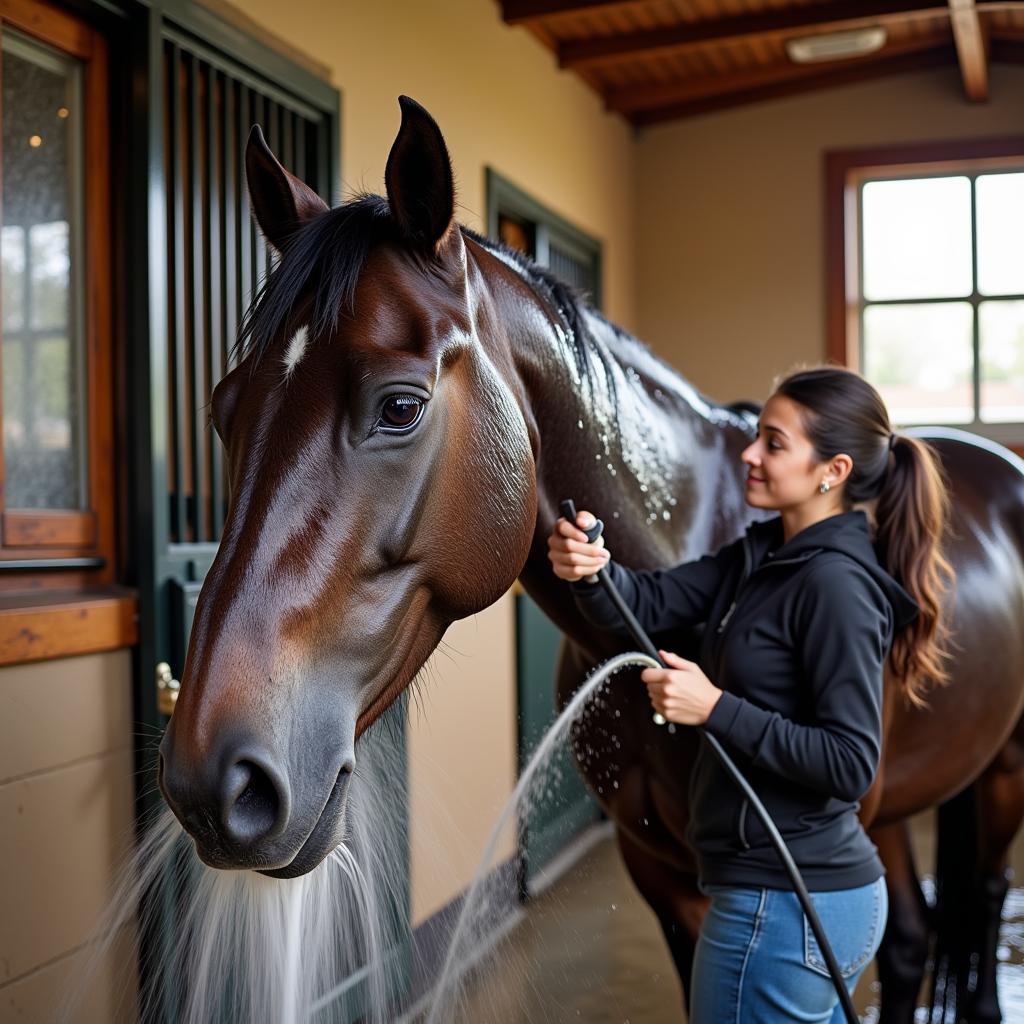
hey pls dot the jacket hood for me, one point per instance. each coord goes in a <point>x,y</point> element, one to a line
<point>846,532</point>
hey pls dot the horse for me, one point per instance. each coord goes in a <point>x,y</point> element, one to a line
<point>410,402</point>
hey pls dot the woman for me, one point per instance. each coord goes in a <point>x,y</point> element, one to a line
<point>802,615</point>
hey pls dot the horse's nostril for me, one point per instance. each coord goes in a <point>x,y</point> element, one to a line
<point>252,803</point>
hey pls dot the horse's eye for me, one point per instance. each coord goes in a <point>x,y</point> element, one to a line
<point>400,413</point>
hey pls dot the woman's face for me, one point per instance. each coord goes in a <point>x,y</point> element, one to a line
<point>783,467</point>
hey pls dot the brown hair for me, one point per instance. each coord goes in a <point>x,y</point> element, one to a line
<point>844,413</point>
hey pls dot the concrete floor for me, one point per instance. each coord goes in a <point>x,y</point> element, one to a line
<point>588,949</point>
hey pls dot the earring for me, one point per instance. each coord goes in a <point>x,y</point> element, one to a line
<point>824,487</point>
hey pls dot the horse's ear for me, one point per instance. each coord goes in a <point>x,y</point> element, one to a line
<point>281,202</point>
<point>421,190</point>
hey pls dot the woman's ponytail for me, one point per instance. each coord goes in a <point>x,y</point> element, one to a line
<point>902,476</point>
<point>911,522</point>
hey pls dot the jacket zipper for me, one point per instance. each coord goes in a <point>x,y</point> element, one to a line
<point>748,571</point>
<point>747,559</point>
<point>745,579</point>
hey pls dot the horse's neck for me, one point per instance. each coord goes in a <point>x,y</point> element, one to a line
<point>625,436</point>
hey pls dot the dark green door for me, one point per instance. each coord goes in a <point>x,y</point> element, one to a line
<point>565,806</point>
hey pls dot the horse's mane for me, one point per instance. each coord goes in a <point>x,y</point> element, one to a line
<point>327,255</point>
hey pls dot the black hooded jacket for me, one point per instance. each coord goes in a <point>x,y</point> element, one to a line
<point>796,636</point>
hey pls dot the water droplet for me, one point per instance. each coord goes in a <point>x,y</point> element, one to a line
<point>666,515</point>
<point>579,423</point>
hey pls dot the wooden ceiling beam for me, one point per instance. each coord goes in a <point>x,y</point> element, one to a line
<point>518,12</point>
<point>937,56</point>
<point>826,17</point>
<point>581,54</point>
<point>970,48</point>
<point>635,99</point>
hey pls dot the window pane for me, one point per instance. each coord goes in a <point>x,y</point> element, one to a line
<point>43,340</point>
<point>1001,329</point>
<point>50,260</point>
<point>917,238</point>
<point>920,358</point>
<point>12,245</point>
<point>1001,234</point>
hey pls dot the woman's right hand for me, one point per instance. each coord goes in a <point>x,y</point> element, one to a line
<point>571,555</point>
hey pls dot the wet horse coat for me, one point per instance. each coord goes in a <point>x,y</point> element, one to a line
<point>412,404</point>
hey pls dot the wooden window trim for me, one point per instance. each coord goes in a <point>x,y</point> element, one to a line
<point>49,529</point>
<point>67,622</point>
<point>80,536</point>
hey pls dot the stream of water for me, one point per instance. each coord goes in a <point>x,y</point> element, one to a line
<point>472,922</point>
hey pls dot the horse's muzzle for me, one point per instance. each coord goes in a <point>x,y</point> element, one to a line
<point>236,804</point>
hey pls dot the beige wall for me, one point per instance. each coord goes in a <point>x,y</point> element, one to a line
<point>730,269</point>
<point>498,97</point>
<point>500,102</point>
<point>66,808</point>
<point>462,756</point>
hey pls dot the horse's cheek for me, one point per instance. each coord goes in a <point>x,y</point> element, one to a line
<point>490,486</point>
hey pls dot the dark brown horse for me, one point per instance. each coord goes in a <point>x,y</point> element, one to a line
<point>412,403</point>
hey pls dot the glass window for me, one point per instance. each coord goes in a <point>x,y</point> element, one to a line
<point>1001,233</point>
<point>917,238</point>
<point>942,296</point>
<point>43,325</point>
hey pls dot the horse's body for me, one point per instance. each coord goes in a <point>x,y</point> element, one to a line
<point>971,731</point>
<point>347,553</point>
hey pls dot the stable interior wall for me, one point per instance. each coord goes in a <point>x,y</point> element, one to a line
<point>730,250</point>
<point>67,807</point>
<point>501,102</point>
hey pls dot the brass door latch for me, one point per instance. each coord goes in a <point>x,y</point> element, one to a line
<point>167,688</point>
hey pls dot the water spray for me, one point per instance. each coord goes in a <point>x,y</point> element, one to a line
<point>643,641</point>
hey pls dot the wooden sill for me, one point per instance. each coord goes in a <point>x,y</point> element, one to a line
<point>61,623</point>
<point>49,529</point>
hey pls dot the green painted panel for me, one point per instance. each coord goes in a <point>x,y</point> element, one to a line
<point>566,806</point>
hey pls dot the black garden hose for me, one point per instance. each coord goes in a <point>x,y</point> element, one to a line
<point>568,510</point>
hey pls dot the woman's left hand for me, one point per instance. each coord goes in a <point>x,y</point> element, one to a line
<point>680,693</point>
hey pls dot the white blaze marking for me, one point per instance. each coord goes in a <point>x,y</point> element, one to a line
<point>296,350</point>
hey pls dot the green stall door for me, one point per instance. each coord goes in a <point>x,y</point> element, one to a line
<point>566,807</point>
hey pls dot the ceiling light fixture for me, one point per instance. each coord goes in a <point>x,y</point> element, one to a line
<point>835,45</point>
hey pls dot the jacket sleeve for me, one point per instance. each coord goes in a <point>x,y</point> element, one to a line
<point>662,599</point>
<point>842,624</point>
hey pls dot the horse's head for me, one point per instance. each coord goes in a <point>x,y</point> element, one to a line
<point>382,486</point>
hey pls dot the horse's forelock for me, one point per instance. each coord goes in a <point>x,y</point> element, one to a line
<point>329,254</point>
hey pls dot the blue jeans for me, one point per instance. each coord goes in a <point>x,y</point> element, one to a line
<point>757,961</point>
